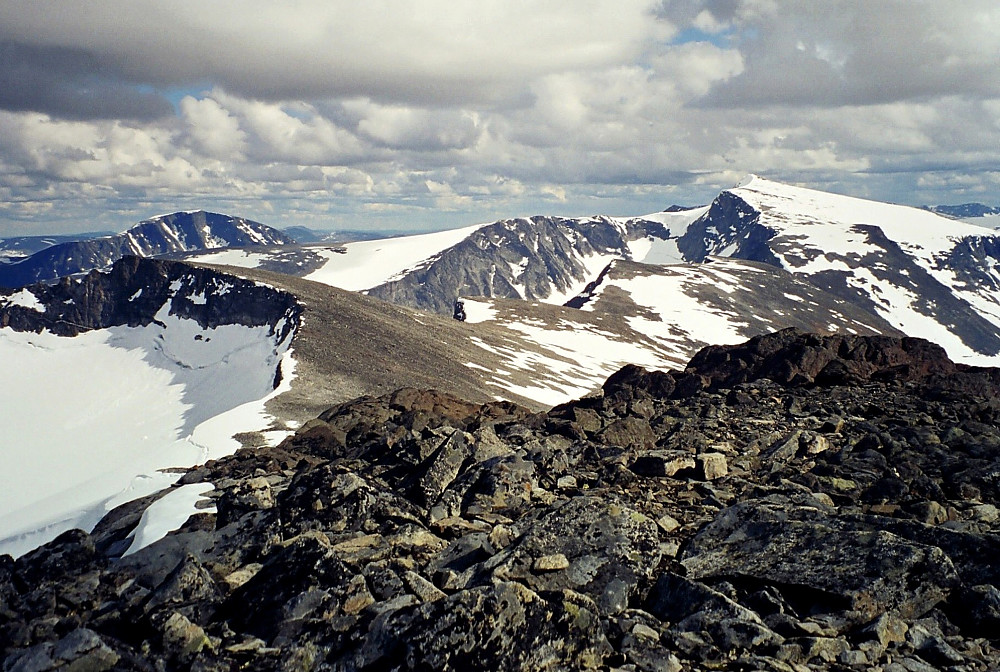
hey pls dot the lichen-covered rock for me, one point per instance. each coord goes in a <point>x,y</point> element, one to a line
<point>831,510</point>
<point>868,572</point>
<point>504,626</point>
<point>611,549</point>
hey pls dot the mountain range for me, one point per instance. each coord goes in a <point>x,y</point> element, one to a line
<point>306,357</point>
<point>965,210</point>
<point>163,235</point>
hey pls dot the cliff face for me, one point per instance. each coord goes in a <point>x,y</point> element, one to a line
<point>796,500</point>
<point>135,289</point>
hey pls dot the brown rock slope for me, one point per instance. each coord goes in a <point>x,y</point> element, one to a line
<point>749,513</point>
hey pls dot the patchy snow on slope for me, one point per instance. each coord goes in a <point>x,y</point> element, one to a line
<point>552,364</point>
<point>679,313</point>
<point>130,402</point>
<point>24,298</point>
<point>820,232</point>
<point>824,220</point>
<point>370,263</point>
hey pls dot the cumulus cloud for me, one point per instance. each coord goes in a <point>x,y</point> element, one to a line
<point>428,51</point>
<point>342,114</point>
<point>853,52</point>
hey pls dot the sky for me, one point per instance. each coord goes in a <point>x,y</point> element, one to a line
<point>411,115</point>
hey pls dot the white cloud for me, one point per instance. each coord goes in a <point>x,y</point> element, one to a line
<point>213,130</point>
<point>346,114</point>
<point>427,50</point>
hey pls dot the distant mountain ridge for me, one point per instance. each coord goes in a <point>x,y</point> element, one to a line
<point>534,259</point>
<point>16,248</point>
<point>964,210</point>
<point>166,234</point>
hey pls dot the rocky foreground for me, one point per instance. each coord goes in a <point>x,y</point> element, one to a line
<point>798,502</point>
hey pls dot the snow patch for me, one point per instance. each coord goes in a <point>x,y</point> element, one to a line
<point>478,310</point>
<point>367,264</point>
<point>168,513</point>
<point>26,299</point>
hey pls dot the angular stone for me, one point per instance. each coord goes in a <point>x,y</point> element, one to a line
<point>236,579</point>
<point>887,629</point>
<point>694,607</point>
<point>443,466</point>
<point>712,466</point>
<point>662,463</point>
<point>82,650</point>
<point>871,572</point>
<point>783,449</point>
<point>610,549</point>
<point>566,482</point>
<point>628,432</point>
<point>550,563</point>
<point>504,627</point>
<point>667,523</point>
<point>421,587</point>
<point>182,639</point>
<point>814,444</point>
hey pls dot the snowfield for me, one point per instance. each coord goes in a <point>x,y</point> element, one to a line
<point>369,263</point>
<point>94,419</point>
<point>825,229</point>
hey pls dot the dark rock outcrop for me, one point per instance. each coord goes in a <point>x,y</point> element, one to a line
<point>136,288</point>
<point>515,258</point>
<point>813,522</point>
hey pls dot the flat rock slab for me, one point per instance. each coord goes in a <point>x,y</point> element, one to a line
<point>864,572</point>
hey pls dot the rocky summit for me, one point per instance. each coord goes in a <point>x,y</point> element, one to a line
<point>798,502</point>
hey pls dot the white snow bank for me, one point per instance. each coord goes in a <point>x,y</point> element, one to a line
<point>233,257</point>
<point>168,513</point>
<point>24,298</point>
<point>96,417</point>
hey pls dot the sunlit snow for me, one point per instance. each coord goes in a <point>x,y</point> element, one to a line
<point>24,298</point>
<point>168,513</point>
<point>370,263</point>
<point>111,408</point>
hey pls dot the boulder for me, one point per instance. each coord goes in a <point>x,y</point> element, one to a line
<point>862,573</point>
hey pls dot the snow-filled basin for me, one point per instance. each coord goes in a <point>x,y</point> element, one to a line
<point>90,421</point>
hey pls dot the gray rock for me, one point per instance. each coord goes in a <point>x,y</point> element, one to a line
<point>870,572</point>
<point>663,463</point>
<point>500,627</point>
<point>610,549</point>
<point>82,650</point>
<point>695,608</point>
<point>712,466</point>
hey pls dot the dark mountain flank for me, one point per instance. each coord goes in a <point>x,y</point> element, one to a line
<point>136,289</point>
<point>516,259</point>
<point>168,234</point>
<point>16,248</point>
<point>797,502</point>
